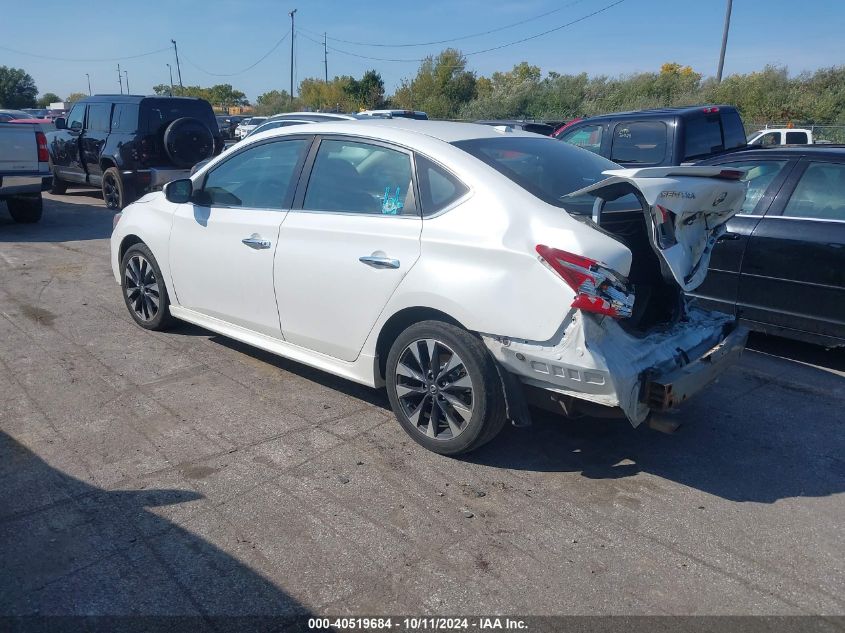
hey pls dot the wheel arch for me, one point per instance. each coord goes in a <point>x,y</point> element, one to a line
<point>125,243</point>
<point>401,320</point>
<point>106,162</point>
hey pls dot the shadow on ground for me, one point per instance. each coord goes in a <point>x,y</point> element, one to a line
<point>69,548</point>
<point>747,438</point>
<point>63,221</point>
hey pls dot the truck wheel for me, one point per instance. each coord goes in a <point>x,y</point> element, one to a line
<point>143,288</point>
<point>444,388</point>
<point>116,192</point>
<point>26,209</point>
<point>59,186</point>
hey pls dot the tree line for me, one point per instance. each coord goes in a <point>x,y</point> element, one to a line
<point>445,88</point>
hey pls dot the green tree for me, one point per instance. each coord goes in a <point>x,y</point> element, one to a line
<point>225,96</point>
<point>73,97</point>
<point>17,88</point>
<point>441,87</point>
<point>274,102</point>
<point>47,98</point>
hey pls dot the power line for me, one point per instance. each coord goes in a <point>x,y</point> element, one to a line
<point>240,72</point>
<point>478,52</point>
<point>97,59</point>
<point>454,39</point>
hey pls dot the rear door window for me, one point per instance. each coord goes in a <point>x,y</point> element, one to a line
<point>820,194</point>
<point>639,142</point>
<point>796,138</point>
<point>587,137</point>
<point>99,117</point>
<point>354,177</point>
<point>702,136</point>
<point>124,117</point>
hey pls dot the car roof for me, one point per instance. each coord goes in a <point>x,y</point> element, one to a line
<point>786,151</point>
<point>109,98</point>
<point>402,129</point>
<point>657,113</point>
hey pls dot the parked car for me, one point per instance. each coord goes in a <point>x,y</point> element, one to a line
<point>24,170</point>
<point>396,114</point>
<point>439,259</point>
<point>781,265</point>
<point>38,113</point>
<point>537,127</point>
<point>128,145</point>
<point>227,125</point>
<point>8,115</point>
<point>248,125</point>
<point>665,136</point>
<point>781,136</point>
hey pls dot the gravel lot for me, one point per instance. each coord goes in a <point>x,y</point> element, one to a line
<point>185,473</point>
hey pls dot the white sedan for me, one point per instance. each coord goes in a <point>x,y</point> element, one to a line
<point>469,269</point>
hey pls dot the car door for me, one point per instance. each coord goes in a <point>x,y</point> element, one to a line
<point>66,157</point>
<point>793,272</point>
<point>351,238</point>
<point>222,243</point>
<point>765,177</point>
<point>93,138</point>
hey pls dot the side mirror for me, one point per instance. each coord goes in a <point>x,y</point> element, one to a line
<point>60,123</point>
<point>179,191</point>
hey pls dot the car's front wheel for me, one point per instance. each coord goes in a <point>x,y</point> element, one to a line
<point>144,292</point>
<point>444,388</point>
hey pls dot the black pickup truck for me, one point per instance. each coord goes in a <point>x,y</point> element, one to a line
<point>128,144</point>
<point>659,137</point>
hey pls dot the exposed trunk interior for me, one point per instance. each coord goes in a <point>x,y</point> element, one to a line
<point>657,302</point>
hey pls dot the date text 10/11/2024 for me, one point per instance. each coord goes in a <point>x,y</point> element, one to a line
<point>417,624</point>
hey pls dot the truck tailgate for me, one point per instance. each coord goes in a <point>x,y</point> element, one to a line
<point>18,149</point>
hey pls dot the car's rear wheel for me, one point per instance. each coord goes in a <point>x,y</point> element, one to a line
<point>444,388</point>
<point>144,292</point>
<point>26,209</point>
<point>116,191</point>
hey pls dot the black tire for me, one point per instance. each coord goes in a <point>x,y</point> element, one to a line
<point>472,383</point>
<point>187,141</point>
<point>26,209</point>
<point>141,306</point>
<point>59,186</point>
<point>117,193</point>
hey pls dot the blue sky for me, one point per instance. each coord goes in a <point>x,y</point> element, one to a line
<point>225,36</point>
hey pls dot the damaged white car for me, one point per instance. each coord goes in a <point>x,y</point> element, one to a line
<point>469,269</point>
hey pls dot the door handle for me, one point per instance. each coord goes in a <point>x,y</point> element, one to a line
<point>379,262</point>
<point>725,237</point>
<point>256,241</point>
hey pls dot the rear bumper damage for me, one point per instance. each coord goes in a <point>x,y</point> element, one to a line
<point>594,359</point>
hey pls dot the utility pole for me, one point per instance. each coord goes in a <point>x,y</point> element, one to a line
<point>120,79</point>
<point>724,41</point>
<point>325,58</point>
<point>291,54</point>
<point>89,83</point>
<point>178,67</point>
<point>170,70</point>
<point>126,72</point>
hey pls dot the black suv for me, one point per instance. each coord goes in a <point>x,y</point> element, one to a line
<point>130,144</point>
<point>661,137</point>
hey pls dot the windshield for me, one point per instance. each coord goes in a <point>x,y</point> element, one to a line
<point>545,167</point>
<point>159,113</point>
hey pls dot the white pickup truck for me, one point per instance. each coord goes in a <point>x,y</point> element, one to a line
<point>24,170</point>
<point>781,136</point>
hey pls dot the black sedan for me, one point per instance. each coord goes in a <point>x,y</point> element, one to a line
<point>781,265</point>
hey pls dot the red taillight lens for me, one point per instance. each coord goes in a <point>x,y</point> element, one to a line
<point>43,154</point>
<point>598,289</point>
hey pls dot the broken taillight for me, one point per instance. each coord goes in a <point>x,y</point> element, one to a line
<point>597,288</point>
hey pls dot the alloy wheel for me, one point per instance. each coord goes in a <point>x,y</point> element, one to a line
<point>111,193</point>
<point>142,291</point>
<point>434,389</point>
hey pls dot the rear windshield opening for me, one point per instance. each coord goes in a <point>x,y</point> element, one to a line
<point>159,113</point>
<point>544,167</point>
